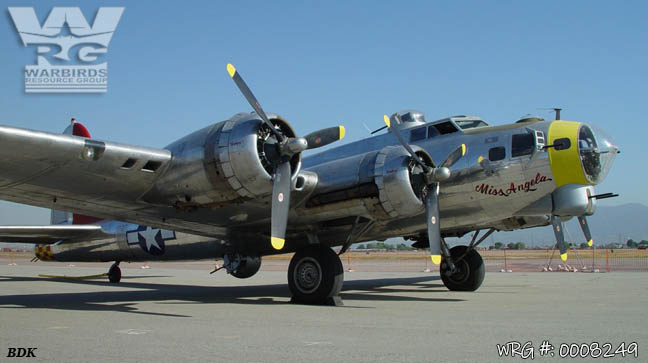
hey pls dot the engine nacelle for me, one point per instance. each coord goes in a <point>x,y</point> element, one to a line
<point>399,192</point>
<point>221,164</point>
<point>377,184</point>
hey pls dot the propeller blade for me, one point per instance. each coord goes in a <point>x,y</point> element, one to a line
<point>454,156</point>
<point>586,231</point>
<point>280,205</point>
<point>249,96</point>
<point>432,218</point>
<point>407,147</point>
<point>560,236</point>
<point>324,137</point>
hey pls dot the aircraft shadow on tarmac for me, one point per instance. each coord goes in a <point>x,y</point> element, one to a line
<point>122,298</point>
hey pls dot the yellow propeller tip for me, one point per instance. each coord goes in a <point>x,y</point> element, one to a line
<point>386,118</point>
<point>463,149</point>
<point>277,243</point>
<point>590,243</point>
<point>563,256</point>
<point>230,69</point>
<point>480,159</point>
<point>342,132</point>
<point>436,259</point>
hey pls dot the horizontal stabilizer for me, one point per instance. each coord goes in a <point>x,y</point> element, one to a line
<point>50,234</point>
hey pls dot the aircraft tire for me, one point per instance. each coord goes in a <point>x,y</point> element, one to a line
<point>114,273</point>
<point>315,275</point>
<point>470,270</point>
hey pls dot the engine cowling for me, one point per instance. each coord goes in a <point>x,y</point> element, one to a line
<point>380,184</point>
<point>399,188</point>
<point>221,164</point>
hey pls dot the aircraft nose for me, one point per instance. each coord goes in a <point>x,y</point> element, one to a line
<point>580,154</point>
<point>598,156</point>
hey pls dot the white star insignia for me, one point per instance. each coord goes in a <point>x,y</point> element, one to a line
<point>149,237</point>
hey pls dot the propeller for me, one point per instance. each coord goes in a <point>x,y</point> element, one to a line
<point>432,218</point>
<point>582,220</point>
<point>560,236</point>
<point>433,177</point>
<point>287,147</point>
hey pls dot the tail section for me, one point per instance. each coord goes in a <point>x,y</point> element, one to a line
<point>76,129</point>
<point>60,217</point>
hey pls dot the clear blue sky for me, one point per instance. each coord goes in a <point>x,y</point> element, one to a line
<point>323,63</point>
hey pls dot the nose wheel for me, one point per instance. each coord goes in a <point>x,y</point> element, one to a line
<point>315,276</point>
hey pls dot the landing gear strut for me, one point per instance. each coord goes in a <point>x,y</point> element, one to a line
<point>114,273</point>
<point>315,276</point>
<point>469,270</point>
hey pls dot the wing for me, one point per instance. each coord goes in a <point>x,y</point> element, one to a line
<point>67,172</point>
<point>97,178</point>
<point>50,234</point>
<point>211,182</point>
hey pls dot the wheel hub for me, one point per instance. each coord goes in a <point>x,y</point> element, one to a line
<point>462,272</point>
<point>308,275</point>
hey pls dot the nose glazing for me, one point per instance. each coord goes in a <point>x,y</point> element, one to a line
<point>585,154</point>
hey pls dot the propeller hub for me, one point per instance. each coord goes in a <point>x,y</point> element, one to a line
<point>294,145</point>
<point>440,174</point>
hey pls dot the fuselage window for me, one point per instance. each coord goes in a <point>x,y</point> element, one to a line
<point>523,144</point>
<point>418,134</point>
<point>432,132</point>
<point>497,153</point>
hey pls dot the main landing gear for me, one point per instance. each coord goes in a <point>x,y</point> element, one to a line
<point>114,273</point>
<point>468,272</point>
<point>315,276</point>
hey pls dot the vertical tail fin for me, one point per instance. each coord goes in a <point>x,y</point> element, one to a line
<point>61,217</point>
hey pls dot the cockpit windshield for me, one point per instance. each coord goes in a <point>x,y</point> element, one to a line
<point>470,124</point>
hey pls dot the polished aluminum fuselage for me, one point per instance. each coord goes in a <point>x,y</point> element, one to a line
<point>351,193</point>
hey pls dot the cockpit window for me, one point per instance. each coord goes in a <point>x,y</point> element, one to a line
<point>589,154</point>
<point>522,144</point>
<point>446,127</point>
<point>470,124</point>
<point>432,132</point>
<point>418,134</point>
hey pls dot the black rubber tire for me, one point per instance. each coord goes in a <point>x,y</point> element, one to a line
<point>248,268</point>
<point>114,274</point>
<point>315,275</point>
<point>470,270</point>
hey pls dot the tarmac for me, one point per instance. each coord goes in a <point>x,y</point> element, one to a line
<point>172,314</point>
